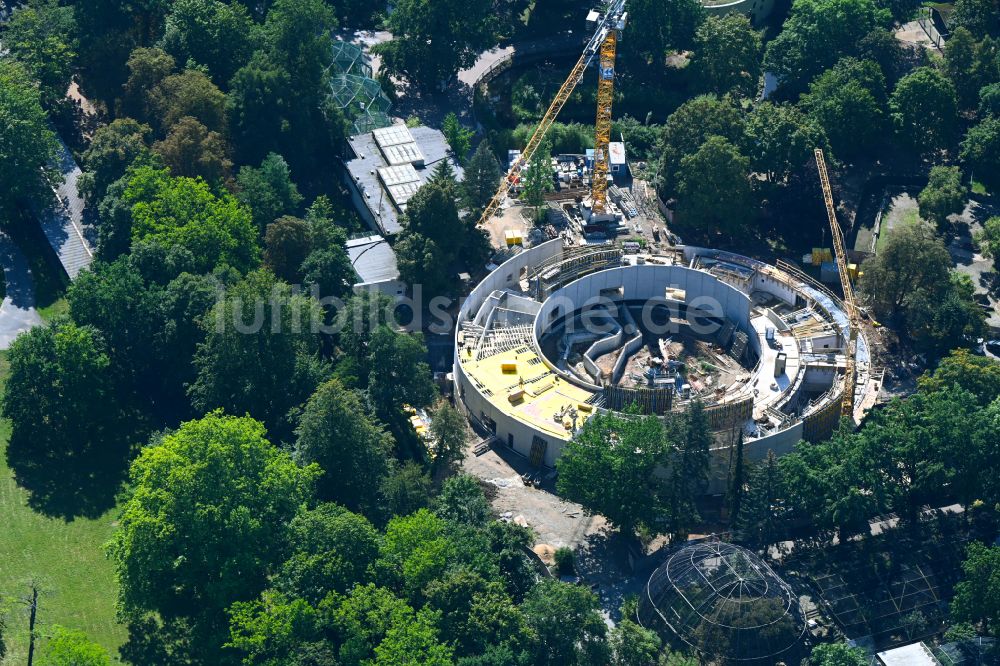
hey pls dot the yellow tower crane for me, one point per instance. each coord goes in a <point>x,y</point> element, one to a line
<point>603,43</point>
<point>850,304</point>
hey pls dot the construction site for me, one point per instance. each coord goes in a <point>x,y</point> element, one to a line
<point>560,332</point>
<point>570,323</point>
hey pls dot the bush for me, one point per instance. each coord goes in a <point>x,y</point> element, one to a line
<point>565,561</point>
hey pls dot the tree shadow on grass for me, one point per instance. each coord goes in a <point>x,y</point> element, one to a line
<point>68,484</point>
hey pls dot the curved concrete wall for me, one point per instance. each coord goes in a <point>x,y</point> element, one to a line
<point>646,283</point>
<point>757,10</point>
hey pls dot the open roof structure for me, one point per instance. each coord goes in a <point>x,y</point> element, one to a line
<point>354,91</point>
<point>726,603</point>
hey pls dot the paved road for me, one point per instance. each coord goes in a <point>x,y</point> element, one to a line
<point>17,313</point>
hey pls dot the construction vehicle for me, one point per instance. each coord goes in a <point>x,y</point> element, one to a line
<point>603,45</point>
<point>850,303</point>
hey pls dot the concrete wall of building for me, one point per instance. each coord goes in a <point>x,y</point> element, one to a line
<point>475,404</point>
<point>360,205</point>
<point>757,10</point>
<point>638,282</point>
<point>394,289</point>
<point>646,283</point>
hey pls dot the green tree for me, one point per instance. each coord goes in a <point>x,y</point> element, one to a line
<point>449,434</point>
<point>329,271</point>
<point>67,647</point>
<point>414,642</point>
<point>882,47</point>
<point>911,255</point>
<point>115,300</point>
<point>336,432</point>
<point>462,501</point>
<point>168,211</point>
<point>407,489</point>
<point>944,195</point>
<point>686,130</point>
<point>399,371</point>
<point>41,36</point>
<point>758,518</point>
<point>536,177</point>
<point>780,140</point>
<point>27,145</point>
<point>981,149</point>
<point>287,243</point>
<point>459,138</point>
<point>275,630</point>
<point>610,466</point>
<point>332,551</point>
<point>108,31</point>
<point>221,36</point>
<point>268,190</point>
<point>848,102</point>
<point>482,177</point>
<point>977,596</point>
<point>187,300</point>
<point>434,238</point>
<point>938,315</point>
<point>192,151</point>
<point>657,27</point>
<point>837,654</point>
<point>568,622</point>
<point>980,17</point>
<point>713,190</point>
<point>416,550</point>
<point>989,100</point>
<point>432,40</point>
<point>924,110</point>
<point>190,565</point>
<point>189,93</point>
<point>970,65</point>
<point>632,644</point>
<point>279,101</point>
<point>147,68</point>
<point>689,469</point>
<point>68,445</point>
<point>942,317</point>
<point>989,238</point>
<point>728,55</point>
<point>817,34</point>
<point>422,262</point>
<point>112,150</point>
<point>980,375</point>
<point>261,353</point>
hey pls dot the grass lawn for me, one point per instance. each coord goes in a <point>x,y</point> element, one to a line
<point>77,581</point>
<point>58,307</point>
<point>906,218</point>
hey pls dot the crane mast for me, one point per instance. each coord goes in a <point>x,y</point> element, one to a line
<point>850,304</point>
<point>602,128</point>
<point>603,43</point>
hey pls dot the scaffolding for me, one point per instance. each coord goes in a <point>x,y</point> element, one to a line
<point>354,91</point>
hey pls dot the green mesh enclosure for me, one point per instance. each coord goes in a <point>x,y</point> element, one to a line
<point>354,91</point>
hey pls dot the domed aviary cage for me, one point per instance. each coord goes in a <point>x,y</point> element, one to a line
<point>354,91</point>
<point>727,604</point>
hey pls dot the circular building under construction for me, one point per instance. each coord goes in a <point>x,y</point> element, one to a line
<point>726,604</point>
<point>559,332</point>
